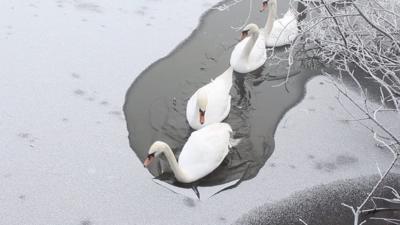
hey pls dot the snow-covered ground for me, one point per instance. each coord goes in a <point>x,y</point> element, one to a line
<point>65,68</point>
<point>64,153</point>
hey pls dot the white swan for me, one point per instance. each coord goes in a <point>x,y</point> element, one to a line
<point>249,54</point>
<point>282,31</point>
<point>210,103</point>
<point>202,153</point>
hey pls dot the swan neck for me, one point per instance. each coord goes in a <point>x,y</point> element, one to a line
<point>227,75</point>
<point>196,115</point>
<point>179,174</point>
<point>249,45</point>
<point>271,19</point>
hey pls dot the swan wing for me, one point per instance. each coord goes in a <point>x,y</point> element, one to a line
<point>284,30</point>
<point>218,106</point>
<point>205,150</point>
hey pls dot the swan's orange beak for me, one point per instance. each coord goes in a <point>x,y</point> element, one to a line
<point>243,35</point>
<point>202,114</point>
<point>148,160</point>
<point>264,6</point>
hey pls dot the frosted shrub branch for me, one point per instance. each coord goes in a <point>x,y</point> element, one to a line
<point>361,34</point>
<point>359,39</point>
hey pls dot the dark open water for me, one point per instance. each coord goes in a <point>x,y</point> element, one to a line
<point>155,103</point>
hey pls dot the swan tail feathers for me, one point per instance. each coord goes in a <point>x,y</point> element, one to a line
<point>234,142</point>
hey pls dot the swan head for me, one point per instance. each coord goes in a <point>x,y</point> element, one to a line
<point>202,102</point>
<point>249,29</point>
<point>156,149</point>
<point>267,3</point>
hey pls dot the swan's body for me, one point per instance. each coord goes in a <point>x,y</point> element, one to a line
<point>202,153</point>
<point>249,54</point>
<point>218,103</point>
<point>282,31</point>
